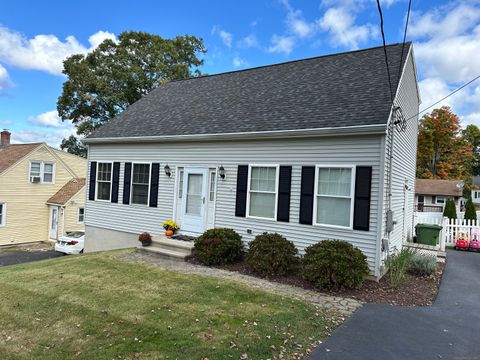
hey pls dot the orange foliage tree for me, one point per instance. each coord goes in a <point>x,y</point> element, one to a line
<point>443,152</point>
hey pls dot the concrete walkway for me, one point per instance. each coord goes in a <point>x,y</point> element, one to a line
<point>449,329</point>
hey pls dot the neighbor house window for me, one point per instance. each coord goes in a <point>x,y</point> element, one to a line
<point>140,183</point>
<point>421,199</point>
<point>440,199</point>
<point>81,216</point>
<point>3,213</point>
<point>104,181</point>
<point>334,196</point>
<point>41,172</point>
<point>263,191</point>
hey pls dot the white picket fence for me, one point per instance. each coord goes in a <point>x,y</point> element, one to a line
<point>434,217</point>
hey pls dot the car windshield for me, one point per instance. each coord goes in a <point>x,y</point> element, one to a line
<point>75,234</point>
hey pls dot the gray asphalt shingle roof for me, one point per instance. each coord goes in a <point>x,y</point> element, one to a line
<point>346,89</point>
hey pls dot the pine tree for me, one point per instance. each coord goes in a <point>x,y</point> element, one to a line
<point>470,212</point>
<point>450,210</point>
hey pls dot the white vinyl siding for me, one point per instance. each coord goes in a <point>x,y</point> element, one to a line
<point>140,183</point>
<point>362,150</point>
<point>262,191</point>
<point>334,187</point>
<point>104,181</point>
<point>3,213</point>
<point>42,169</point>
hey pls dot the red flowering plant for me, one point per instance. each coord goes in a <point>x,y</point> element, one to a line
<point>145,238</point>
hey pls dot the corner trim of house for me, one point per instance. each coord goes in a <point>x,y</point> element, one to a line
<point>381,207</point>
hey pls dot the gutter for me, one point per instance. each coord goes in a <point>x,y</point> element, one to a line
<point>297,133</point>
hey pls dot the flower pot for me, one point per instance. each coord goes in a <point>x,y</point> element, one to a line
<point>146,243</point>
<point>169,232</point>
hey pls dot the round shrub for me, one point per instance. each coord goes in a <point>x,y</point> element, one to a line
<point>422,265</point>
<point>272,254</point>
<point>334,264</point>
<point>218,246</point>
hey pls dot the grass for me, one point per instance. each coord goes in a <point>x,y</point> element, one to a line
<point>101,307</point>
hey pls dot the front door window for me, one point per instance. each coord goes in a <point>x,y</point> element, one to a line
<point>194,194</point>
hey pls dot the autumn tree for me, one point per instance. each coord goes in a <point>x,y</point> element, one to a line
<point>443,152</point>
<point>472,135</point>
<point>107,80</point>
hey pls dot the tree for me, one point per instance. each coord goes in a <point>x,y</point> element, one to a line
<point>450,210</point>
<point>74,146</point>
<point>107,80</point>
<point>472,135</point>
<point>443,152</point>
<point>470,211</point>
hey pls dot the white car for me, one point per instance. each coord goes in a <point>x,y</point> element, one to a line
<point>72,243</point>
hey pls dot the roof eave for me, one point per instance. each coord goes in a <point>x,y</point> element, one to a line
<point>299,133</point>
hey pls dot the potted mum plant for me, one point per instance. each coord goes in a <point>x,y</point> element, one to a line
<point>170,227</point>
<point>145,238</point>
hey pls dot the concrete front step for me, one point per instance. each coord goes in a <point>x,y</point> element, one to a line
<point>169,248</point>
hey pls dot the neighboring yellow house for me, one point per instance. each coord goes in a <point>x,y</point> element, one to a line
<point>42,192</point>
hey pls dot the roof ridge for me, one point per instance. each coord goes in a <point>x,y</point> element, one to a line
<point>408,43</point>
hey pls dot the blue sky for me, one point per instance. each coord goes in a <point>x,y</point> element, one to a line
<point>36,36</point>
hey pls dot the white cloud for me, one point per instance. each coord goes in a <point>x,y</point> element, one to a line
<point>447,43</point>
<point>238,62</point>
<point>46,119</point>
<point>340,23</point>
<point>249,42</point>
<point>282,44</point>
<point>296,24</point>
<point>52,138</point>
<point>5,122</point>
<point>5,81</point>
<point>43,52</point>
<point>227,38</point>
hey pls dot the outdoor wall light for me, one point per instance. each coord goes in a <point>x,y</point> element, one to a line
<point>221,172</point>
<point>168,172</point>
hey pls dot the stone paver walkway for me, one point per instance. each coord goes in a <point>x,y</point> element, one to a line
<point>344,306</point>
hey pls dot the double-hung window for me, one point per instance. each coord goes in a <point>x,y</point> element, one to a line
<point>81,216</point>
<point>333,196</point>
<point>104,181</point>
<point>140,183</point>
<point>3,214</point>
<point>41,172</point>
<point>262,191</point>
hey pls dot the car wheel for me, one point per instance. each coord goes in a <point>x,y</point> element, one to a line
<point>81,251</point>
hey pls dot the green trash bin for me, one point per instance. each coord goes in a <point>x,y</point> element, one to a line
<point>428,233</point>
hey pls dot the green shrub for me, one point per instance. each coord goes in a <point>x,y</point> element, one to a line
<point>218,246</point>
<point>450,209</point>
<point>334,264</point>
<point>272,254</point>
<point>422,265</point>
<point>398,264</point>
<point>470,212</point>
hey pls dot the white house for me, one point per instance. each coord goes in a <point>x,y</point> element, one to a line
<point>311,149</point>
<point>476,189</point>
<point>431,194</point>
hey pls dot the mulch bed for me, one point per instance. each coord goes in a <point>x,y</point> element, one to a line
<point>414,291</point>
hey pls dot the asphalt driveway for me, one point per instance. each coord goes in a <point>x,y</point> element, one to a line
<point>22,256</point>
<point>449,329</point>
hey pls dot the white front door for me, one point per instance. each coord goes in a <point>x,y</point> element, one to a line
<point>194,200</point>
<point>53,222</point>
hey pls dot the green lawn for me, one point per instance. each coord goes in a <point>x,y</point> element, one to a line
<point>101,307</point>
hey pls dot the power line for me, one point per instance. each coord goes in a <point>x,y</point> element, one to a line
<point>385,48</point>
<point>445,97</point>
<point>404,38</point>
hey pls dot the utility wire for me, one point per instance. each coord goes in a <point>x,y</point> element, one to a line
<point>445,97</point>
<point>385,49</point>
<point>403,44</point>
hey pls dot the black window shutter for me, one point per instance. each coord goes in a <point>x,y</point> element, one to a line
<point>92,180</point>
<point>361,211</point>
<point>115,182</point>
<point>154,185</point>
<point>306,195</point>
<point>284,187</point>
<point>127,176</point>
<point>241,198</point>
